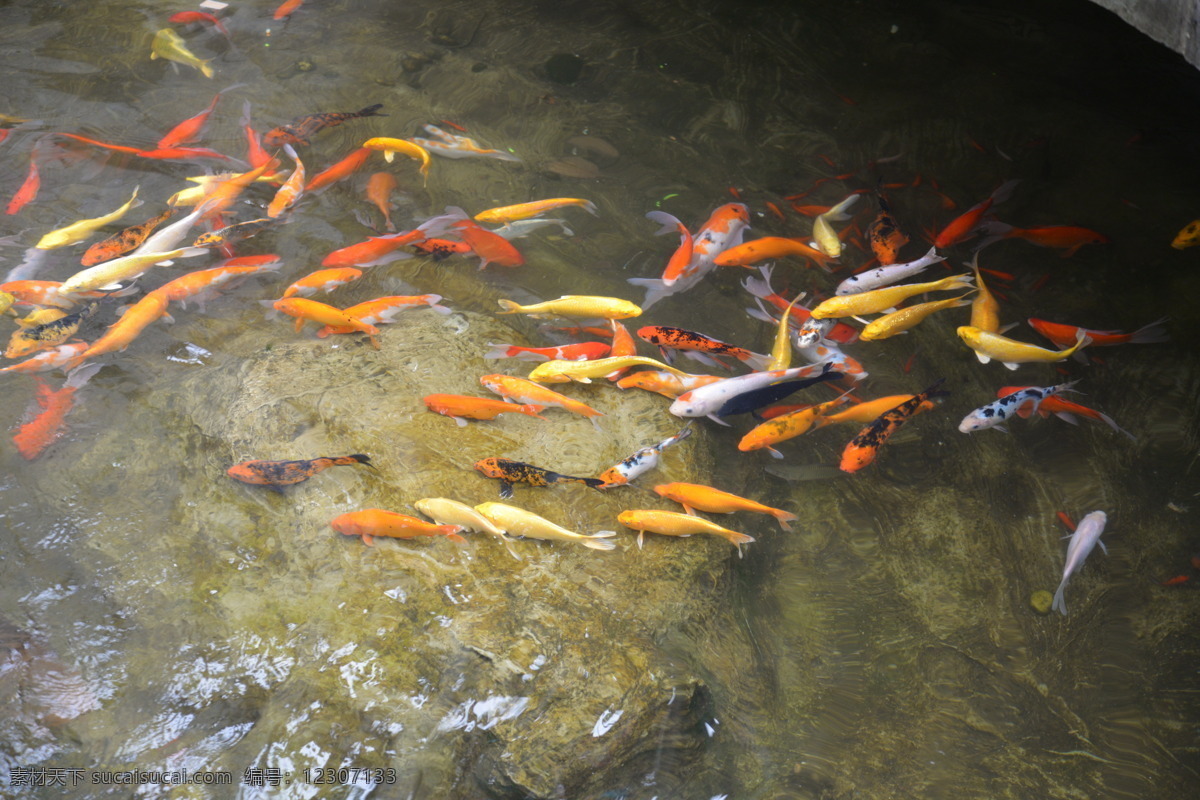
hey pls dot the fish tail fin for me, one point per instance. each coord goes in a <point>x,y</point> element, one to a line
<point>600,541</point>
<point>1060,603</point>
<point>738,539</point>
<point>994,230</point>
<point>756,361</point>
<point>759,288</point>
<point>1151,333</point>
<point>357,458</point>
<point>838,213</point>
<point>531,410</point>
<point>595,483</point>
<point>509,307</point>
<point>784,517</point>
<point>1004,191</point>
<point>206,70</point>
<point>370,111</point>
<point>590,207</point>
<point>453,534</point>
<point>1110,422</point>
<point>81,375</point>
<point>669,223</point>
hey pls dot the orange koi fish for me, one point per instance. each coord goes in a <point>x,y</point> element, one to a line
<point>681,259</point>
<point>33,437</point>
<point>1068,238</point>
<point>771,247</point>
<point>1065,335</point>
<point>374,522</point>
<point>121,243</point>
<point>670,523</point>
<point>192,128</point>
<point>119,148</point>
<point>202,285</point>
<point>694,496</point>
<point>885,236</point>
<point>490,247</point>
<point>285,10</point>
<point>1063,409</point>
<point>698,346</point>
<point>28,189</point>
<point>383,310</point>
<point>379,250</point>
<point>301,129</point>
<point>46,293</point>
<point>223,196</point>
<point>623,344</point>
<point>288,473</point>
<point>724,230</point>
<point>312,311</point>
<point>520,390</point>
<point>864,412</point>
<point>188,17</point>
<point>863,448</point>
<point>583,351</point>
<point>1188,236</point>
<point>182,153</point>
<point>255,154</point>
<point>292,188</point>
<point>509,472</point>
<point>322,281</point>
<point>461,407</point>
<point>664,383</point>
<point>127,328</point>
<point>379,189</point>
<point>339,171</point>
<point>966,224</point>
<point>46,360</point>
<point>786,426</point>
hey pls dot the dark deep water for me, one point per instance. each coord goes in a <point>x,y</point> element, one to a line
<point>156,618</point>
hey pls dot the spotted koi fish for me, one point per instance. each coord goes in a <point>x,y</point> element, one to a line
<point>51,334</point>
<point>640,462</point>
<point>698,346</point>
<point>288,473</point>
<point>124,242</point>
<point>865,446</point>
<point>509,472</point>
<point>993,414</point>
<point>884,235</point>
<point>301,129</point>
<point>234,233</point>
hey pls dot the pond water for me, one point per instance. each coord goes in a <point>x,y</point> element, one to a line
<point>156,616</point>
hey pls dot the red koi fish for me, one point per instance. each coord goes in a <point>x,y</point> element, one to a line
<point>288,473</point>
<point>863,448</point>
<point>339,171</point>
<point>29,188</point>
<point>704,349</point>
<point>966,224</point>
<point>771,247</point>
<point>379,190</point>
<point>301,129</point>
<point>382,249</point>
<point>490,247</point>
<point>38,433</point>
<point>182,153</point>
<point>255,153</point>
<point>192,128</point>
<point>286,9</point>
<point>373,522</point>
<point>681,259</point>
<point>1058,333</point>
<point>1067,238</point>
<point>188,17</point>
<point>584,351</point>
<point>1063,409</point>
<point>118,147</point>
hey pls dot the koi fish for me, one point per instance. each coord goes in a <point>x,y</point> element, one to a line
<point>665,383</point>
<point>288,473</point>
<point>451,512</point>
<point>379,188</point>
<point>182,153</point>
<point>781,349</point>
<point>285,10</point>
<point>771,247</point>
<point>1064,335</point>
<point>884,235</point>
<point>440,249</point>
<point>864,447</point>
<point>169,237</point>
<point>234,233</point>
<point>46,360</point>
<point>967,224</point>
<point>838,332</point>
<point>787,426</point>
<point>1083,540</point>
<point>109,274</point>
<point>202,285</point>
<point>461,408</point>
<point>51,334</point>
<point>372,522</point>
<point>887,275</point>
<point>901,321</point>
<point>520,390</point>
<point>536,208</point>
<point>888,297</point>
<point>29,187</point>
<point>623,345</point>
<point>383,310</point>
<point>681,259</point>
<point>322,281</point>
<point>1064,410</point>
<point>1188,236</point>
<point>519,522</point>
<point>310,310</point>
<point>188,17</point>
<point>670,523</point>
<point>127,328</point>
<point>450,145</point>
<point>339,171</point>
<point>509,472</point>
<point>693,496</point>
<point>35,435</point>
<point>825,238</point>
<point>192,128</point>
<point>584,351</point>
<point>78,231</point>
<point>519,228</point>
<point>747,393</point>
<point>698,346</point>
<point>491,248</point>
<point>985,311</point>
<point>575,306</point>
<point>292,188</point>
<point>46,293</point>
<point>993,414</point>
<point>255,154</point>
<point>168,45</point>
<point>301,129</point>
<point>379,250</point>
<point>392,146</point>
<point>583,371</point>
<point>867,411</point>
<point>1067,238</point>
<point>723,230</point>
<point>641,462</point>
<point>1012,353</point>
<point>121,243</point>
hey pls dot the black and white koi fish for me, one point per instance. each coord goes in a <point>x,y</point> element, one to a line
<point>993,414</point>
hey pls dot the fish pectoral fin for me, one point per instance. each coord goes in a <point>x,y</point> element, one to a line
<point>774,453</point>
<point>1011,365</point>
<point>583,379</point>
<point>718,420</point>
<point>368,540</point>
<point>1001,428</point>
<point>1103,549</point>
<point>506,490</point>
<point>982,358</point>
<point>462,423</point>
<point>641,536</point>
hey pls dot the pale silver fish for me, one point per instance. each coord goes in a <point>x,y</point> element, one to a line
<point>1086,536</point>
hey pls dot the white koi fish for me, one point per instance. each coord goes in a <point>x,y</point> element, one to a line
<point>451,145</point>
<point>887,275</point>
<point>640,462</point>
<point>993,414</point>
<point>723,230</point>
<point>733,395</point>
<point>1085,537</point>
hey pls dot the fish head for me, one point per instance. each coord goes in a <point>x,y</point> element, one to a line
<point>489,467</point>
<point>855,458</point>
<point>969,335</point>
<point>686,406</point>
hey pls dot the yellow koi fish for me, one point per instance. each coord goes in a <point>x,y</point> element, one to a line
<point>1012,353</point>
<point>168,45</point>
<point>576,305</point>
<point>392,146</point>
<point>559,371</point>
<point>825,238</point>
<point>505,214</point>
<point>671,523</point>
<point>985,311</point>
<point>78,231</point>
<point>781,351</point>
<point>519,522</point>
<point>900,321</point>
<point>107,276</point>
<point>852,305</point>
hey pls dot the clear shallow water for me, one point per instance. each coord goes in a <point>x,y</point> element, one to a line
<point>884,648</point>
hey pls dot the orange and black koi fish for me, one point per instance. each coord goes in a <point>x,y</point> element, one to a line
<point>121,243</point>
<point>288,473</point>
<point>301,129</point>
<point>509,472</point>
<point>233,233</point>
<point>865,446</point>
<point>51,334</point>
<point>440,249</point>
<point>703,348</point>
<point>885,236</point>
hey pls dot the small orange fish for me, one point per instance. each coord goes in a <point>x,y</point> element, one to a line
<point>520,390</point>
<point>28,190</point>
<point>490,247</point>
<point>288,473</point>
<point>1068,238</point>
<point>191,129</point>
<point>383,310</point>
<point>322,281</point>
<point>770,247</point>
<point>292,188</point>
<point>339,171</point>
<point>694,496</point>
<point>863,448</point>
<point>460,407</point>
<point>287,8</point>
<point>301,129</point>
<point>373,522</point>
<point>127,328</point>
<point>121,243</point>
<point>38,433</point>
<point>379,189</point>
<point>966,224</point>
